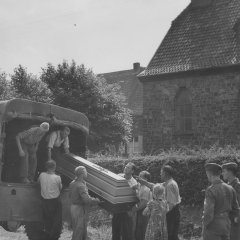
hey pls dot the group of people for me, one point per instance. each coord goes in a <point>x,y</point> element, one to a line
<point>28,142</point>
<point>156,215</point>
<point>80,200</point>
<point>221,220</point>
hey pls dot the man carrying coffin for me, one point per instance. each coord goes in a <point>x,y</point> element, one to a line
<point>123,224</point>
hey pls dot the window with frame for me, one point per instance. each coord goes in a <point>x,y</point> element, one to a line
<point>183,112</point>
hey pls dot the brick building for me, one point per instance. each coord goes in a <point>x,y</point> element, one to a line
<point>191,85</point>
<point>132,89</point>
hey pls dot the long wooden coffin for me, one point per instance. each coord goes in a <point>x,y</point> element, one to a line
<point>107,185</point>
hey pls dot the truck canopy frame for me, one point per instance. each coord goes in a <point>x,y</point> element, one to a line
<point>27,109</point>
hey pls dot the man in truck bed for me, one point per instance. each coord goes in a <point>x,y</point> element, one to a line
<point>27,142</point>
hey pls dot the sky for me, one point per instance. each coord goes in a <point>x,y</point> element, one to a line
<point>104,35</point>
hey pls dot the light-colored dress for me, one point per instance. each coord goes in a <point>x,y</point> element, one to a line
<point>157,225</point>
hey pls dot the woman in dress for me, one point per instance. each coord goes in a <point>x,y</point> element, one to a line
<point>144,195</point>
<point>157,209</point>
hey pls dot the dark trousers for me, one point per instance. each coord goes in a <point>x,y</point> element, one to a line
<point>52,216</point>
<point>141,225</point>
<point>122,226</point>
<point>173,221</point>
<point>218,229</point>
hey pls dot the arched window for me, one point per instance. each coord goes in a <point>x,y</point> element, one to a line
<point>183,112</point>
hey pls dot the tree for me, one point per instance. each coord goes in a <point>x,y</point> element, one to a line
<point>77,87</point>
<point>28,86</point>
<point>5,89</point>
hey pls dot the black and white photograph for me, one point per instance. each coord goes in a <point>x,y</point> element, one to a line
<point>120,120</point>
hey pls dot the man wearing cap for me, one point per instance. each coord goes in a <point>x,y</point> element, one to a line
<point>229,174</point>
<point>220,202</point>
<point>27,143</point>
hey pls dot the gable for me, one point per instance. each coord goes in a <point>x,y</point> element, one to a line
<point>131,87</point>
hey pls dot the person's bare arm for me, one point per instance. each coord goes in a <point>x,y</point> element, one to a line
<point>66,150</point>
<point>21,152</point>
<point>145,183</point>
<point>49,153</point>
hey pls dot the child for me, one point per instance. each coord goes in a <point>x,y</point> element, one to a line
<point>144,195</point>
<point>51,186</point>
<point>157,209</point>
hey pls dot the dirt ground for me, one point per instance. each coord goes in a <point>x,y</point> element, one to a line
<point>100,229</point>
<point>20,235</point>
<point>103,233</point>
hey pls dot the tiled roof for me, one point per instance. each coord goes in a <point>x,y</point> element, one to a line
<point>201,37</point>
<point>131,87</point>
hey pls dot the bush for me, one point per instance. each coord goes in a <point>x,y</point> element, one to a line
<point>188,165</point>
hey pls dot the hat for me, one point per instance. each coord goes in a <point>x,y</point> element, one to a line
<point>213,167</point>
<point>231,166</point>
<point>44,126</point>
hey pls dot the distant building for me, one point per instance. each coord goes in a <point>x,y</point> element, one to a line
<point>132,89</point>
<point>191,87</point>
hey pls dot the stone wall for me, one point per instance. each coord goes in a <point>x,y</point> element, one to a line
<point>215,110</point>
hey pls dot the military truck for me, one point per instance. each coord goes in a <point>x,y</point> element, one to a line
<point>20,203</point>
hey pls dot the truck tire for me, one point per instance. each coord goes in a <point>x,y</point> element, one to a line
<point>35,231</point>
<point>4,225</point>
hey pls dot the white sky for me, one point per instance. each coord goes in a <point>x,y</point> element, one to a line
<point>105,35</point>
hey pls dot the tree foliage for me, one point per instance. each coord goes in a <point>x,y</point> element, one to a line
<point>28,86</point>
<point>5,89</point>
<point>76,87</point>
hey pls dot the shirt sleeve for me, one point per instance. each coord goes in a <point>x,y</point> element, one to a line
<point>66,143</point>
<point>60,184</point>
<point>52,139</point>
<point>235,206</point>
<point>172,193</point>
<point>144,194</point>
<point>237,189</point>
<point>26,133</point>
<point>85,197</point>
<point>39,178</point>
<point>208,212</point>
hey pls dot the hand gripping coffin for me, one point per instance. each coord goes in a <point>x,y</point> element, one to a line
<point>107,185</point>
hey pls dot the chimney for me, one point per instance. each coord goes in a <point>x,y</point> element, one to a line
<point>200,3</point>
<point>136,67</point>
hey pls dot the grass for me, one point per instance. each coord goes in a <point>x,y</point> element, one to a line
<point>100,226</point>
<point>101,233</point>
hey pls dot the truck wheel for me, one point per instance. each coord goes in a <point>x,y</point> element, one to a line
<point>34,231</point>
<point>4,225</point>
<point>13,226</point>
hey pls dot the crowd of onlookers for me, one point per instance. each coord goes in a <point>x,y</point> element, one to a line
<point>156,215</point>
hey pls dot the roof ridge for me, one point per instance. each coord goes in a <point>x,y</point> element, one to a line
<point>128,70</point>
